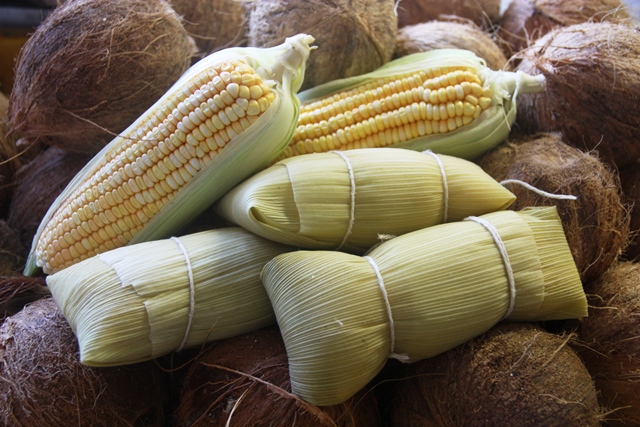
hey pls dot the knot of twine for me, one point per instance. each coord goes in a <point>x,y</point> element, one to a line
<point>192,301</point>
<point>352,202</point>
<point>445,185</point>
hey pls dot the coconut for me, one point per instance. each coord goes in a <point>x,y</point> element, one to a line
<point>244,381</point>
<point>610,346</point>
<point>11,250</point>
<point>596,224</point>
<point>43,383</point>
<point>353,37</point>
<point>94,66</point>
<point>525,21</point>
<point>592,89</point>
<point>213,24</point>
<point>16,291</point>
<point>9,161</point>
<point>37,185</point>
<point>452,34</point>
<point>630,179</point>
<point>484,13</point>
<point>514,375</point>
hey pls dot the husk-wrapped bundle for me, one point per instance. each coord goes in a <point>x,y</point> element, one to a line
<point>345,200</point>
<point>142,301</point>
<point>415,296</point>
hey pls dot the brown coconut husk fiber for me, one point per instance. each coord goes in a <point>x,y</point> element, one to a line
<point>42,382</point>
<point>353,37</point>
<point>596,224</point>
<point>514,375</point>
<point>452,34</point>
<point>37,185</point>
<point>213,24</point>
<point>92,67</point>
<point>593,83</point>
<point>11,250</point>
<point>9,158</point>
<point>483,12</point>
<point>630,179</point>
<point>244,381</point>
<point>610,343</point>
<point>16,291</point>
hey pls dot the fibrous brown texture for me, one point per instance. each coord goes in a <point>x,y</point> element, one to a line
<point>630,179</point>
<point>9,162</point>
<point>525,21</point>
<point>596,224</point>
<point>484,13</point>
<point>593,83</point>
<point>514,375</point>
<point>213,24</point>
<point>610,342</point>
<point>353,37</point>
<point>43,383</point>
<point>16,291</point>
<point>38,183</point>
<point>93,67</point>
<point>244,381</point>
<point>11,250</point>
<point>450,35</point>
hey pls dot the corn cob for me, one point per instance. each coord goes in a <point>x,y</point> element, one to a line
<point>205,135</point>
<point>446,100</point>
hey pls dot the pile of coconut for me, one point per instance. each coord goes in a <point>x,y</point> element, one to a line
<point>93,66</point>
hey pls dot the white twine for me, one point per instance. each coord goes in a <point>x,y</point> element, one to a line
<point>505,260</point>
<point>538,191</point>
<point>445,185</point>
<point>192,301</point>
<point>352,204</point>
<point>392,326</point>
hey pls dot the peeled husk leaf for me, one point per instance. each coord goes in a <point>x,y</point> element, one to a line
<point>513,375</point>
<point>347,200</point>
<point>353,37</point>
<point>92,67</point>
<point>11,250</point>
<point>38,183</point>
<point>592,85</point>
<point>244,381</point>
<point>451,34</point>
<point>596,224</point>
<point>146,300</point>
<point>609,342</point>
<point>630,180</point>
<point>44,384</point>
<point>444,285</point>
<point>483,13</point>
<point>213,24</point>
<point>525,21</point>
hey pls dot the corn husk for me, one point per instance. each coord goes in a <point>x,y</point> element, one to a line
<point>137,302</point>
<point>470,141</point>
<point>282,66</point>
<point>346,200</point>
<point>444,285</point>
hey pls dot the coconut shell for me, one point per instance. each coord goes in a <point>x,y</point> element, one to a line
<point>43,382</point>
<point>596,224</point>
<point>592,89</point>
<point>353,37</point>
<point>245,381</point>
<point>213,24</point>
<point>9,161</point>
<point>610,346</point>
<point>11,250</point>
<point>92,67</point>
<point>484,13</point>
<point>630,179</point>
<point>458,34</point>
<point>514,375</point>
<point>525,21</point>
<point>37,185</point>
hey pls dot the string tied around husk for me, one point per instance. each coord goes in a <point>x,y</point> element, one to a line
<point>538,191</point>
<point>445,186</point>
<point>192,292</point>
<point>352,199</point>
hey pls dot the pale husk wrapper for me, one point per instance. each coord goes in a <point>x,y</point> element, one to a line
<point>307,200</point>
<point>133,304</point>
<point>445,285</point>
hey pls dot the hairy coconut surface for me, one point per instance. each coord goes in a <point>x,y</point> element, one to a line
<point>213,24</point>
<point>630,179</point>
<point>9,158</point>
<point>43,383</point>
<point>525,21</point>
<point>16,291</point>
<point>514,375</point>
<point>484,13</point>
<point>11,250</point>
<point>596,224</point>
<point>244,381</point>
<point>593,81</point>
<point>611,342</point>
<point>353,37</point>
<point>458,34</point>
<point>38,183</point>
<point>94,66</point>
